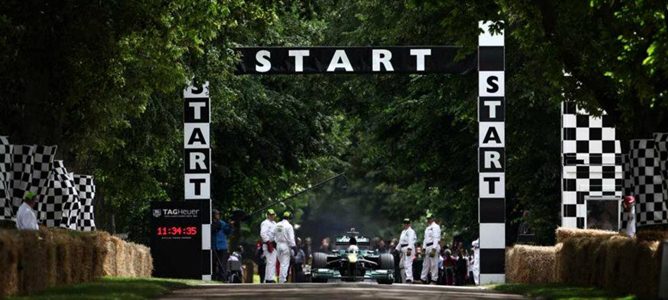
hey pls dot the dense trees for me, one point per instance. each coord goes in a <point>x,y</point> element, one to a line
<point>103,80</point>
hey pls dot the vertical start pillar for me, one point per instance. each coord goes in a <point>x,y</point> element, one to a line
<point>491,154</point>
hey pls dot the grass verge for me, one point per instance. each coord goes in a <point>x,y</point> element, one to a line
<point>114,288</point>
<point>559,291</point>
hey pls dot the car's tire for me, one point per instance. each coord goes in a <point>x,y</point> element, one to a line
<point>386,262</point>
<point>385,281</point>
<point>319,260</point>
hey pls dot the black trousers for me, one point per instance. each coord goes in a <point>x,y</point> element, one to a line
<point>219,261</point>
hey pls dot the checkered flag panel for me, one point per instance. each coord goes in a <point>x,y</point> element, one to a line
<point>50,209</point>
<point>71,204</point>
<point>6,167</point>
<point>42,160</point>
<point>592,162</point>
<point>22,173</point>
<point>647,183</point>
<point>86,191</point>
<point>661,149</point>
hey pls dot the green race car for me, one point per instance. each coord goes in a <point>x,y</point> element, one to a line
<point>352,259</point>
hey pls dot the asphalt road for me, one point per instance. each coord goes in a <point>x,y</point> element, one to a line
<point>347,291</point>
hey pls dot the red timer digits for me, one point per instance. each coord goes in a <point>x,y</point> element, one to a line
<point>176,231</point>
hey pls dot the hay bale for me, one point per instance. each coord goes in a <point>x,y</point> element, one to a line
<point>652,234</point>
<point>530,264</point>
<point>64,257</point>
<point>109,267</point>
<point>32,259</point>
<point>565,233</point>
<point>9,258</point>
<point>612,262</point>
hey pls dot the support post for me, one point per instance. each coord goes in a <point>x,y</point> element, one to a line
<point>491,154</point>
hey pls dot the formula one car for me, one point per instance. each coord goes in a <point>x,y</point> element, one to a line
<point>352,259</point>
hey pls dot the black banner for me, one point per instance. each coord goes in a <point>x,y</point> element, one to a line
<point>311,60</point>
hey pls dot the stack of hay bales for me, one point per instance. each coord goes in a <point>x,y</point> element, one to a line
<point>126,259</point>
<point>31,261</point>
<point>608,260</point>
<point>531,264</point>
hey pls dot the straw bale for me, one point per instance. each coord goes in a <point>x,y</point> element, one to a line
<point>9,258</point>
<point>613,262</point>
<point>652,234</point>
<point>64,255</point>
<point>530,264</point>
<point>565,233</point>
<point>110,265</point>
<point>32,259</point>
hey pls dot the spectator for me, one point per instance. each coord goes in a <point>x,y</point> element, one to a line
<point>300,260</point>
<point>219,231</point>
<point>325,245</point>
<point>25,217</point>
<point>449,264</point>
<point>461,268</point>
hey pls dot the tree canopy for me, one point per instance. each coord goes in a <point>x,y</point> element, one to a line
<point>103,80</point>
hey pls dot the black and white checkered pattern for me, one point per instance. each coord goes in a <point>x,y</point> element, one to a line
<point>71,204</point>
<point>86,188</point>
<point>41,165</point>
<point>6,167</point>
<point>22,174</point>
<point>50,209</point>
<point>647,183</point>
<point>592,163</point>
<point>661,149</point>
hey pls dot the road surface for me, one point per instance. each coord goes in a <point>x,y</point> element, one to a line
<point>347,291</point>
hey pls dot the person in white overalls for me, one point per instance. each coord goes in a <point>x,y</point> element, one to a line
<point>476,261</point>
<point>268,246</point>
<point>630,212</point>
<point>284,234</point>
<point>432,236</point>
<point>406,247</point>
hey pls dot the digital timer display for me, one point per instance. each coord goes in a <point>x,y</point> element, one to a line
<point>176,231</point>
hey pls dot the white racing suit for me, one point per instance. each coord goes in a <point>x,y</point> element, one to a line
<point>432,235</point>
<point>476,261</point>
<point>406,247</point>
<point>285,241</point>
<point>267,234</point>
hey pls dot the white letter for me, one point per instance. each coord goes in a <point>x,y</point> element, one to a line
<point>262,57</point>
<point>419,57</point>
<point>492,157</point>
<point>381,56</point>
<point>197,161</point>
<point>299,58</point>
<point>492,107</point>
<point>197,108</point>
<point>339,60</point>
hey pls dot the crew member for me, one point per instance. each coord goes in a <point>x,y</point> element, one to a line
<point>406,246</point>
<point>285,241</point>
<point>432,236</point>
<point>476,263</point>
<point>268,246</point>
<point>630,211</point>
<point>25,217</point>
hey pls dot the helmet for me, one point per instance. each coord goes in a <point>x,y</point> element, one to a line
<point>629,200</point>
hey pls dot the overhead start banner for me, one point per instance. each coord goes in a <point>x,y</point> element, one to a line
<point>311,60</point>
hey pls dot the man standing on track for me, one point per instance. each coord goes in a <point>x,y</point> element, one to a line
<point>269,246</point>
<point>285,241</point>
<point>432,235</point>
<point>406,246</point>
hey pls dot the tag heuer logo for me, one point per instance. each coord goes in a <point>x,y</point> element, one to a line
<point>157,213</point>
